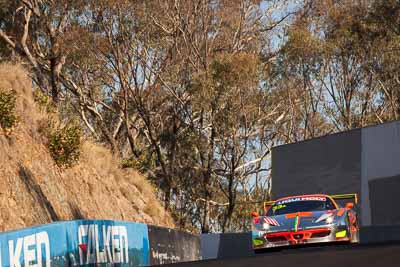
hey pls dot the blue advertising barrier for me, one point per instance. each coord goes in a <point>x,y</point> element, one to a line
<point>76,243</point>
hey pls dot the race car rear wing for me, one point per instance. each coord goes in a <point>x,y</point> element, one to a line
<point>346,196</point>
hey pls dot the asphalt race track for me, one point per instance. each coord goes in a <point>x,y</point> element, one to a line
<point>385,255</point>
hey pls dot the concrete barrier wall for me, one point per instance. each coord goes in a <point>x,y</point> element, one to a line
<point>380,161</point>
<point>380,234</point>
<point>230,245</point>
<point>95,243</point>
<point>383,195</point>
<point>330,165</point>
<point>169,246</point>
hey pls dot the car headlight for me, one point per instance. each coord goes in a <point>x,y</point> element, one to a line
<point>328,217</point>
<point>265,226</point>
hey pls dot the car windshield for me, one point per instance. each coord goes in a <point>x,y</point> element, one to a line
<point>300,204</point>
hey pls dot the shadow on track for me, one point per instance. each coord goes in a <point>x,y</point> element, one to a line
<point>307,248</point>
<point>344,255</point>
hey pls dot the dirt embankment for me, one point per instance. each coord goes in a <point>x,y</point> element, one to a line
<point>33,190</point>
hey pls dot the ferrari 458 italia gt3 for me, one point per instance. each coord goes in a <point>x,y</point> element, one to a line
<point>305,219</point>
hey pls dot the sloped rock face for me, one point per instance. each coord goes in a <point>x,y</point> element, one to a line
<point>34,190</point>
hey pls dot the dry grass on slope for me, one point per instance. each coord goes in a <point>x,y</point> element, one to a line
<point>33,190</point>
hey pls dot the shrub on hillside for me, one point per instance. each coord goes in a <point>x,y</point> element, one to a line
<point>144,162</point>
<point>8,118</point>
<point>64,143</point>
<point>44,101</point>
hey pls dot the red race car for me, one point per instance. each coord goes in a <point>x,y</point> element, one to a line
<point>305,219</point>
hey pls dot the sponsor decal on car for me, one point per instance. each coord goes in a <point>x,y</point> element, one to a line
<point>295,199</point>
<point>271,221</point>
<point>278,207</point>
<point>296,223</point>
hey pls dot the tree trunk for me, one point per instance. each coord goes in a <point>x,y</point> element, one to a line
<point>228,216</point>
<point>205,228</point>
<point>54,80</point>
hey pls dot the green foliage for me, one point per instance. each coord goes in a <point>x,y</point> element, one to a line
<point>8,118</point>
<point>129,163</point>
<point>143,163</point>
<point>44,101</point>
<point>64,144</point>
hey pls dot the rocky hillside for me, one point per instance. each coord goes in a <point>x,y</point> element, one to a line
<point>33,190</point>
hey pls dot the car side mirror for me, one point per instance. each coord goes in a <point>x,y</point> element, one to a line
<point>254,214</point>
<point>349,205</point>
